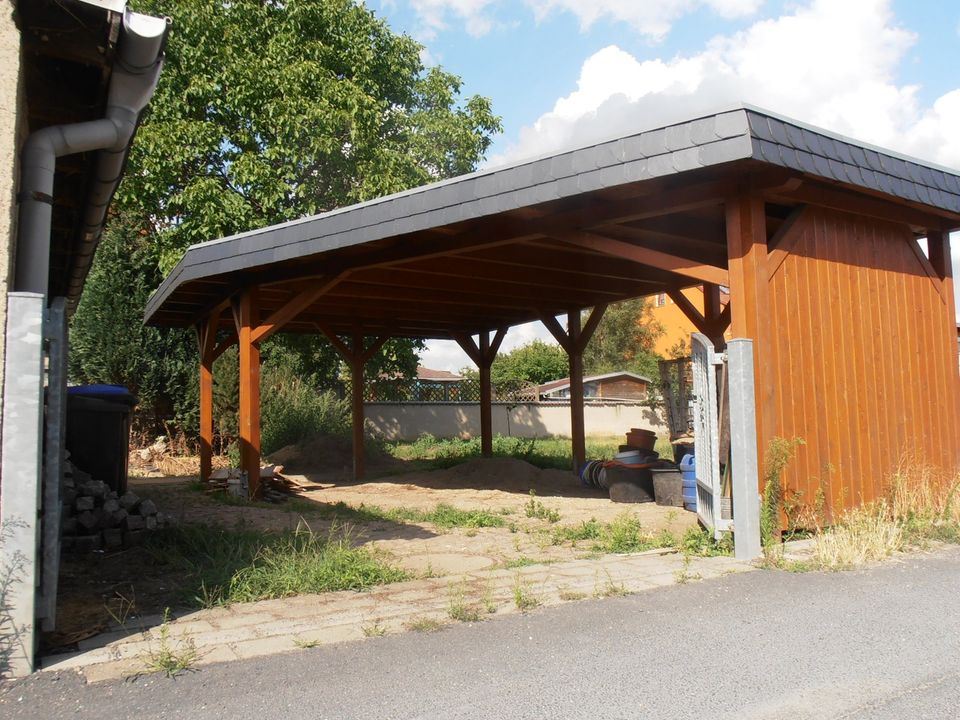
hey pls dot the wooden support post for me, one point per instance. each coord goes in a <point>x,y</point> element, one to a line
<point>750,302</point>
<point>484,355</point>
<point>574,340</point>
<point>713,314</point>
<point>356,357</point>
<point>245,313</point>
<point>486,397</point>
<point>577,432</point>
<point>206,333</point>
<point>357,363</point>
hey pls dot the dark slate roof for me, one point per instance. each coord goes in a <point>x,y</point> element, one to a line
<point>743,133</point>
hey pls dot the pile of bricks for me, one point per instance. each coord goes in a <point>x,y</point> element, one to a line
<point>97,518</point>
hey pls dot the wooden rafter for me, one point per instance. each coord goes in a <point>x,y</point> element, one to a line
<point>643,255</point>
<point>293,307</point>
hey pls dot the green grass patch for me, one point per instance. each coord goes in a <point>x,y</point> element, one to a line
<point>536,509</point>
<point>626,535</point>
<point>216,566</point>
<point>429,452</point>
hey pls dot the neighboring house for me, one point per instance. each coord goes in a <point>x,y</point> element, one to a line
<point>676,325</point>
<point>437,385</point>
<point>622,386</point>
<point>74,77</point>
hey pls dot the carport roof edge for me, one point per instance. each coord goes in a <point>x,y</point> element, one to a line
<point>742,133</point>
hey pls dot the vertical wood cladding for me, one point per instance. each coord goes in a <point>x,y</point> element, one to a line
<point>863,357</point>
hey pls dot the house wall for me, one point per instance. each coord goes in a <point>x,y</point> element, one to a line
<point>408,421</point>
<point>677,328</point>
<point>10,132</point>
<point>863,359</point>
<point>625,389</point>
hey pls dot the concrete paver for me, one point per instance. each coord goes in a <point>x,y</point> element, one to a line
<point>286,625</point>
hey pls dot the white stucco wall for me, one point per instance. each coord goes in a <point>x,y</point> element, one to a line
<point>407,421</point>
<point>10,131</point>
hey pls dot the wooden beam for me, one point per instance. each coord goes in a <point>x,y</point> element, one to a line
<point>887,208</point>
<point>783,242</point>
<point>934,276</point>
<point>559,334</point>
<point>207,333</point>
<point>644,256</point>
<point>575,355</point>
<point>596,315</point>
<point>750,301</point>
<point>486,396</point>
<point>467,344</point>
<point>689,310</point>
<point>294,307</point>
<point>223,346</point>
<point>356,406</point>
<point>246,314</point>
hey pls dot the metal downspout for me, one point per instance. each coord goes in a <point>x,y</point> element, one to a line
<point>138,64</point>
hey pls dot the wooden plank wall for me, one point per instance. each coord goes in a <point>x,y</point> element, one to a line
<point>864,359</point>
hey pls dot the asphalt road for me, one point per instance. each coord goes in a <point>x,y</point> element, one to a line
<point>877,643</point>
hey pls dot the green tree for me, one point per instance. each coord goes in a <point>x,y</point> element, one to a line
<point>269,111</point>
<point>265,111</point>
<point>110,344</point>
<point>624,340</point>
<point>531,364</point>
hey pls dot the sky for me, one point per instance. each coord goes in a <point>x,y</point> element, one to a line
<point>564,73</point>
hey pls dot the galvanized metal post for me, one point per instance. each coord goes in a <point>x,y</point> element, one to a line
<point>55,331</point>
<point>743,451</point>
<point>20,490</point>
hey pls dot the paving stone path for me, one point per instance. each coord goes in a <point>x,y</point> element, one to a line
<point>269,627</point>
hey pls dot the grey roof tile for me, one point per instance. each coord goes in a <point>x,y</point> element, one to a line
<point>823,167</point>
<point>760,127</point>
<point>830,149</point>
<point>722,151</point>
<point>660,165</point>
<point>779,133</point>
<point>730,124</point>
<point>797,138</point>
<point>633,148</point>
<point>687,159</point>
<point>812,141</point>
<point>637,170</point>
<point>653,142</point>
<point>703,131</point>
<point>767,151</point>
<point>788,158</point>
<point>678,137</point>
<point>584,160</point>
<point>939,179</point>
<point>873,159</point>
<point>806,161</point>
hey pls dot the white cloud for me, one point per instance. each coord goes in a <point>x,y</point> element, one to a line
<point>828,63</point>
<point>434,15</point>
<point>652,18</point>
<point>447,355</point>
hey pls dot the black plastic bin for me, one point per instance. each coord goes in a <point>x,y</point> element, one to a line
<point>98,431</point>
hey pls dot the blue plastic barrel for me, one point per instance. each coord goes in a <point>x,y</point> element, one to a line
<point>688,470</point>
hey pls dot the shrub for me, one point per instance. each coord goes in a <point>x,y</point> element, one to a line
<point>292,410</point>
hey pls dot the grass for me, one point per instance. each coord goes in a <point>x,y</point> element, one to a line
<point>523,596</point>
<point>458,608</point>
<point>428,452</point>
<point>374,629</point>
<point>170,657</point>
<point>424,624</point>
<point>305,644</point>
<point>572,595</point>
<point>216,566</point>
<point>921,506</point>
<point>536,509</point>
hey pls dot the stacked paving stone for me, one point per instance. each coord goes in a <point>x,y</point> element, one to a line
<point>97,518</point>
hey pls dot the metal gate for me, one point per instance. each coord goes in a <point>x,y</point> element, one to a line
<point>706,433</point>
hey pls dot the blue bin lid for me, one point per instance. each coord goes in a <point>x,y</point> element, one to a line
<point>97,390</point>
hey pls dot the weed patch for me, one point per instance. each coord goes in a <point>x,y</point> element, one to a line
<point>424,624</point>
<point>220,566</point>
<point>523,596</point>
<point>536,509</point>
<point>171,657</point>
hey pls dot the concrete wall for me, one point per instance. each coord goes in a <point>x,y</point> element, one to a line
<point>10,135</point>
<point>407,421</point>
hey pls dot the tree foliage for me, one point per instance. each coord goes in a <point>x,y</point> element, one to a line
<point>269,111</point>
<point>110,344</point>
<point>624,340</point>
<point>532,364</point>
<point>265,111</point>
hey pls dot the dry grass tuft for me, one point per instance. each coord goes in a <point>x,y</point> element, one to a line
<point>862,535</point>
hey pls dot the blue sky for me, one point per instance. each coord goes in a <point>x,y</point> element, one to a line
<point>564,72</point>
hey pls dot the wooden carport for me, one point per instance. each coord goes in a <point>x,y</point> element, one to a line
<point>815,236</point>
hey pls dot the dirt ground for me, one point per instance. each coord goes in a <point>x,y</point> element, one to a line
<point>94,590</point>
